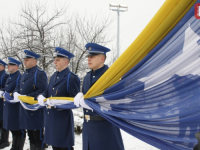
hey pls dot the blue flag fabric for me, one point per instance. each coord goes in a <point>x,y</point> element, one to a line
<point>158,100</point>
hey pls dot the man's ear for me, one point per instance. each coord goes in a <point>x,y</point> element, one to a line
<point>103,58</point>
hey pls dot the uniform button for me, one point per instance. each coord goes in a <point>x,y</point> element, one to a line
<point>20,89</point>
<point>6,85</point>
<point>22,82</point>
<point>57,77</point>
<point>93,76</point>
<point>86,110</point>
<point>53,88</point>
<point>48,112</point>
<point>31,114</point>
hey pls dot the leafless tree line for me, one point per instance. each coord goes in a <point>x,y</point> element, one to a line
<point>40,32</point>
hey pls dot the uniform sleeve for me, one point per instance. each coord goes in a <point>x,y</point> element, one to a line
<point>74,85</point>
<point>5,78</point>
<point>41,84</point>
<point>45,93</point>
<point>83,86</point>
<point>17,88</point>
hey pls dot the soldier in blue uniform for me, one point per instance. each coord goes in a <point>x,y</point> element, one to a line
<point>32,83</point>
<point>98,133</point>
<point>59,123</point>
<point>11,110</point>
<point>4,133</point>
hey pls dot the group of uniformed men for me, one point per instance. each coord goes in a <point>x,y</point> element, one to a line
<point>53,126</point>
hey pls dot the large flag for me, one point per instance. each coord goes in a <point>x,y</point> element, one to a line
<point>158,100</point>
<point>152,91</point>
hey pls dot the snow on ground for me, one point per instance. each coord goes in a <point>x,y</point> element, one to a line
<point>130,142</point>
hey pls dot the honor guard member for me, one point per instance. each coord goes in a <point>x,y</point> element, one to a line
<point>98,133</point>
<point>4,133</point>
<point>11,110</point>
<point>33,82</point>
<point>59,123</point>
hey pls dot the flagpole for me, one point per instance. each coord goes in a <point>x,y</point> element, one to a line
<point>119,8</point>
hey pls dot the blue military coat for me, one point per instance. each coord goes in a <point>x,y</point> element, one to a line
<point>11,110</point>
<point>32,83</point>
<point>59,123</point>
<point>3,78</point>
<point>99,135</point>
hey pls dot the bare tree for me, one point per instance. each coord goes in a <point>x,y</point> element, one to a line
<point>9,45</point>
<point>80,31</point>
<point>34,31</point>
<point>40,32</point>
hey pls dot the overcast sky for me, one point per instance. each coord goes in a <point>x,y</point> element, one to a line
<point>132,22</point>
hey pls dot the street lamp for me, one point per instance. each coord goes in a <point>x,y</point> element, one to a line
<point>118,8</point>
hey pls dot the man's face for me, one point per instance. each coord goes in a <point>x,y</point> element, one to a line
<point>2,67</point>
<point>95,61</point>
<point>29,62</point>
<point>12,68</point>
<point>60,63</point>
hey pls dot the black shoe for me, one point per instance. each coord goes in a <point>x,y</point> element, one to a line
<point>4,138</point>
<point>4,144</point>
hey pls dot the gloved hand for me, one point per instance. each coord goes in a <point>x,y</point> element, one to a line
<point>16,94</point>
<point>1,93</point>
<point>79,101</point>
<point>84,105</point>
<point>41,99</point>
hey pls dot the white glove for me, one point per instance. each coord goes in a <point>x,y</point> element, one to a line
<point>84,105</point>
<point>16,94</point>
<point>1,93</point>
<point>77,99</point>
<point>41,100</point>
<point>49,103</point>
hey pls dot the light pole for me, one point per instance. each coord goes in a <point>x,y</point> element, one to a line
<point>119,8</point>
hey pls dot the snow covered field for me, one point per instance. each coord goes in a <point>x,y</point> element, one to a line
<point>130,142</point>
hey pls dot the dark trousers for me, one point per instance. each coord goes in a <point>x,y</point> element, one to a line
<point>58,148</point>
<point>19,133</point>
<point>36,138</point>
<point>4,133</point>
<point>197,136</point>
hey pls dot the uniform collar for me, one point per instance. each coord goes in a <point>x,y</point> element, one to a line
<point>96,72</point>
<point>33,68</point>
<point>2,71</point>
<point>13,74</point>
<point>60,73</point>
<point>59,77</point>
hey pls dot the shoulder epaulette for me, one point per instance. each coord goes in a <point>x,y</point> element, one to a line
<point>40,69</point>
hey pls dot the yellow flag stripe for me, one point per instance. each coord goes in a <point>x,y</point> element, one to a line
<point>165,19</point>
